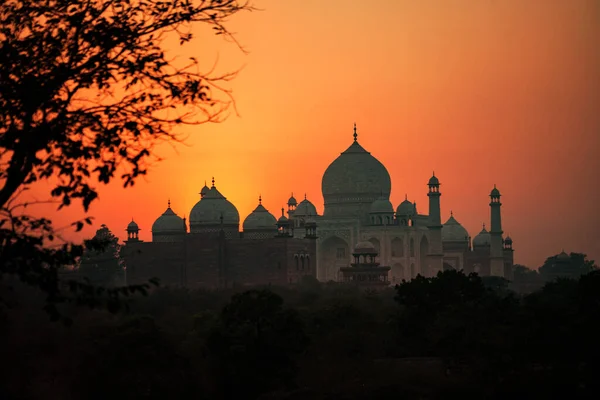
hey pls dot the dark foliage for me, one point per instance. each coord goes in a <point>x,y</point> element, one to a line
<point>86,93</point>
<point>430,338</point>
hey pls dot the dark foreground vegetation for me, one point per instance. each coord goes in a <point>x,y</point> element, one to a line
<point>431,338</point>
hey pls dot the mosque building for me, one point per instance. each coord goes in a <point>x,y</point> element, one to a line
<point>356,189</point>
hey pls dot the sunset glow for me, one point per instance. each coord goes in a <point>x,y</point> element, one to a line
<point>481,92</point>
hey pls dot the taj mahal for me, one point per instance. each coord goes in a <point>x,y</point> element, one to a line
<point>356,190</point>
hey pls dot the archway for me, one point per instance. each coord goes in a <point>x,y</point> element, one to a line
<point>412,247</point>
<point>397,247</point>
<point>448,267</point>
<point>423,253</point>
<point>334,253</point>
<point>397,274</point>
<point>413,271</point>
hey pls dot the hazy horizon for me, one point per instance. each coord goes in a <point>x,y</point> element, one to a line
<point>482,93</point>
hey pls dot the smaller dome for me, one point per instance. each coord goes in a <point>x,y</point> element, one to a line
<point>305,208</point>
<point>453,231</point>
<point>365,247</point>
<point>483,238</point>
<point>283,218</point>
<point>204,190</point>
<point>132,226</point>
<point>434,181</point>
<point>260,218</point>
<point>292,201</point>
<point>213,209</point>
<point>508,240</point>
<point>168,222</point>
<point>406,208</point>
<point>495,192</point>
<point>563,256</point>
<point>382,206</point>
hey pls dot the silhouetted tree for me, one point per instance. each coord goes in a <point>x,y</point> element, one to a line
<point>133,359</point>
<point>103,266</point>
<point>571,267</point>
<point>86,92</point>
<point>253,347</point>
<point>525,280</point>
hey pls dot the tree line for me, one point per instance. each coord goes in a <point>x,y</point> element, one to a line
<point>453,334</point>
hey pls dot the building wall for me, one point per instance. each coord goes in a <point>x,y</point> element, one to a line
<point>210,262</point>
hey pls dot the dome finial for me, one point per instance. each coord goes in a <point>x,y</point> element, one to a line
<point>433,173</point>
<point>282,212</point>
<point>451,213</point>
<point>304,195</point>
<point>484,226</point>
<point>405,196</point>
<point>169,203</point>
<point>213,181</point>
<point>355,134</point>
<point>259,199</point>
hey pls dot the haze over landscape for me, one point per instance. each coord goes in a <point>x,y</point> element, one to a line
<point>482,93</point>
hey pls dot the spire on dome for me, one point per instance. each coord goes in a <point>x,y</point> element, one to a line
<point>282,212</point>
<point>451,213</point>
<point>484,226</point>
<point>305,196</point>
<point>213,181</point>
<point>168,204</point>
<point>405,196</point>
<point>259,199</point>
<point>355,134</point>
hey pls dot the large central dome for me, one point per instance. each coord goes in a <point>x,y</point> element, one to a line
<point>353,181</point>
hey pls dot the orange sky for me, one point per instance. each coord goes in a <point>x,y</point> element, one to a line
<point>483,92</point>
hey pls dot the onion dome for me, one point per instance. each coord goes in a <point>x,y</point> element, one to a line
<point>168,222</point>
<point>204,190</point>
<point>283,218</point>
<point>292,201</point>
<point>483,238</point>
<point>132,226</point>
<point>406,208</point>
<point>305,208</point>
<point>382,206</point>
<point>495,192</point>
<point>453,231</point>
<point>260,219</point>
<point>508,240</point>
<point>434,181</point>
<point>211,208</point>
<point>354,177</point>
<point>365,247</point>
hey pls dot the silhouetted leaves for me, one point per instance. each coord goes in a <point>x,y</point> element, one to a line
<point>86,93</point>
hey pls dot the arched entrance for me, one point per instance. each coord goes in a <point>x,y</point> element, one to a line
<point>448,267</point>
<point>397,247</point>
<point>397,274</point>
<point>334,253</point>
<point>423,252</point>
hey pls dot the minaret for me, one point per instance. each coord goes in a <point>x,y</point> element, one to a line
<point>133,231</point>
<point>509,258</point>
<point>436,252</point>
<point>496,250</point>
